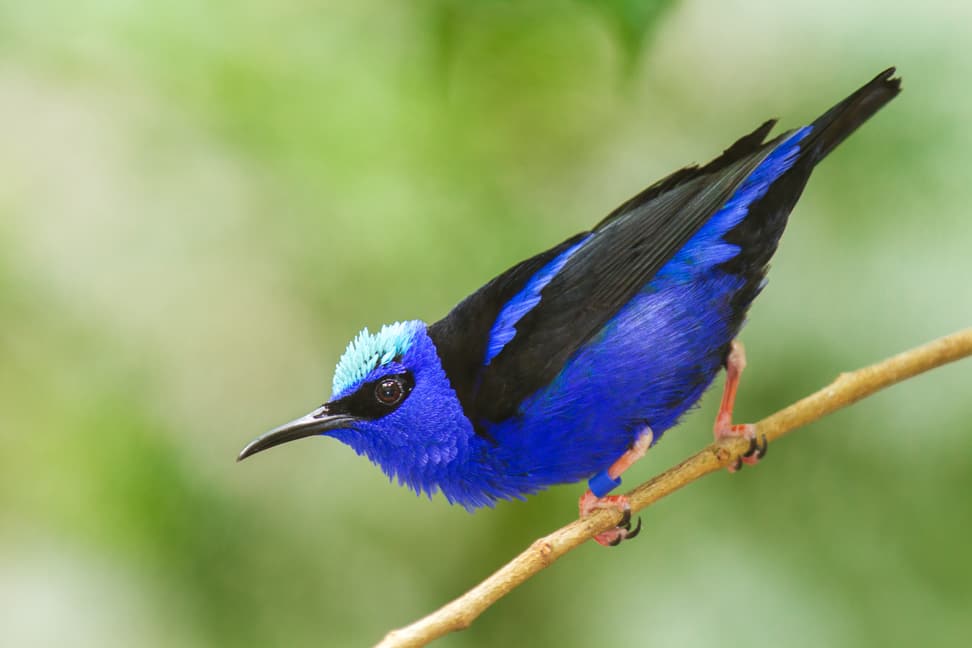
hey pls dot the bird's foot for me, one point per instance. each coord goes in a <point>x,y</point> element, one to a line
<point>723,428</point>
<point>757,447</point>
<point>589,502</point>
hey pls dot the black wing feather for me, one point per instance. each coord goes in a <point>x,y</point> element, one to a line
<point>624,254</point>
<point>461,337</point>
<point>757,234</point>
<point>628,248</point>
<point>631,244</point>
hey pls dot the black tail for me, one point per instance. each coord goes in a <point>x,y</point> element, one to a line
<point>758,234</point>
<point>836,124</point>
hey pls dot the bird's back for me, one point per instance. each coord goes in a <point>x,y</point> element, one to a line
<point>560,361</point>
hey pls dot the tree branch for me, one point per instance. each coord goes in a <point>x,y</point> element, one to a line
<point>848,388</point>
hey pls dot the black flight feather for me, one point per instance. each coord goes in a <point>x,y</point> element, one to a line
<point>757,235</point>
<point>628,248</point>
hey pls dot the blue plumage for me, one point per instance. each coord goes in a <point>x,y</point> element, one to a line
<point>504,329</point>
<point>707,248</point>
<point>555,369</point>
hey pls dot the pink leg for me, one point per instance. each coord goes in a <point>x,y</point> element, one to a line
<point>723,428</point>
<point>590,502</point>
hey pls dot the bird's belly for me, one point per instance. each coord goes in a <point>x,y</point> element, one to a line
<point>646,367</point>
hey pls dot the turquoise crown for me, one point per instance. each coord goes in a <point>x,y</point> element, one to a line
<point>368,351</point>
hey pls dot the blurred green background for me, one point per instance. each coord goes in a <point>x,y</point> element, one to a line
<point>202,202</point>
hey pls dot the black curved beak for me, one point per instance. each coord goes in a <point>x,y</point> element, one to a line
<point>317,422</point>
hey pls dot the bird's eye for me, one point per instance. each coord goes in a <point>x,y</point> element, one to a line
<point>389,391</point>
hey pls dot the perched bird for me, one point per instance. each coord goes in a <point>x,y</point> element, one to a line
<point>570,364</point>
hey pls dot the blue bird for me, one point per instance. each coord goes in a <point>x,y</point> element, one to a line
<point>571,364</point>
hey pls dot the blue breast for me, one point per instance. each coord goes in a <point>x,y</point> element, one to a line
<point>647,367</point>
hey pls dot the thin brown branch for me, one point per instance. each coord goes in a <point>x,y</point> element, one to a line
<point>847,389</point>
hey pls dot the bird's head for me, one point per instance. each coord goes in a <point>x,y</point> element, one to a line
<point>391,400</point>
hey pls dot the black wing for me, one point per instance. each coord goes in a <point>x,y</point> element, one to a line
<point>628,247</point>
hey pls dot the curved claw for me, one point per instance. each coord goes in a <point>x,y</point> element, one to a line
<point>624,531</point>
<point>757,448</point>
<point>625,522</point>
<point>753,447</point>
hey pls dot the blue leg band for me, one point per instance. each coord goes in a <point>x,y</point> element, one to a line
<point>601,484</point>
